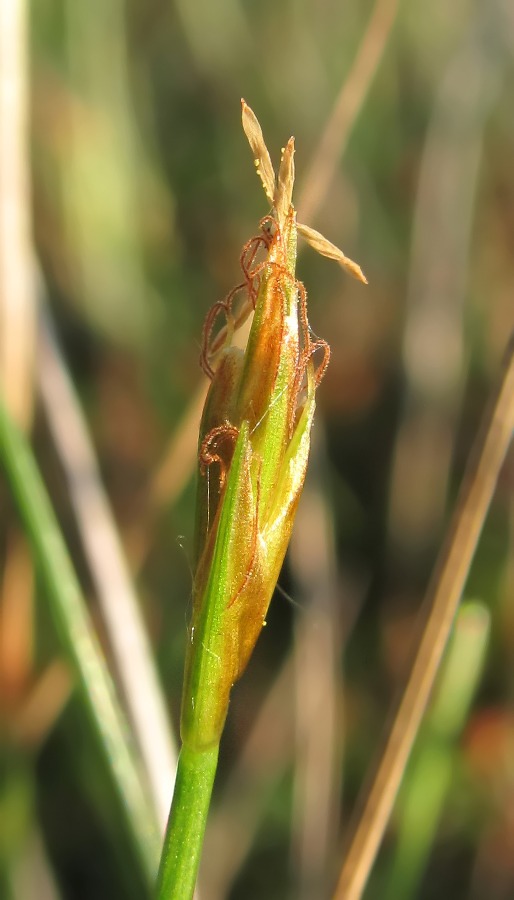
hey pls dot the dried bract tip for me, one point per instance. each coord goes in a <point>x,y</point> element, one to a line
<point>284,190</point>
<point>326,248</point>
<point>263,163</point>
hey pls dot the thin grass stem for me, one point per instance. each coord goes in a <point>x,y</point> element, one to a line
<point>186,826</point>
<point>429,776</point>
<point>76,632</point>
<point>440,605</point>
<point>347,107</point>
<point>119,605</point>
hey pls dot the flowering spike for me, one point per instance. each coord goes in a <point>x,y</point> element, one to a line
<point>253,448</point>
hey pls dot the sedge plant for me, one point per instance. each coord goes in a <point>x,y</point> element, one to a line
<point>252,458</point>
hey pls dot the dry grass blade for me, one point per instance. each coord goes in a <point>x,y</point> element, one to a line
<point>38,714</point>
<point>33,875</point>
<point>120,607</point>
<point>16,620</point>
<point>318,696</point>
<point>17,307</point>
<point>440,604</point>
<point>348,104</point>
<point>434,351</point>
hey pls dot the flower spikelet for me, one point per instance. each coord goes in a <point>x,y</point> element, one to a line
<point>253,446</point>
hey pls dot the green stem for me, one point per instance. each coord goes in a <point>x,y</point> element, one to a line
<point>79,639</point>
<point>186,825</point>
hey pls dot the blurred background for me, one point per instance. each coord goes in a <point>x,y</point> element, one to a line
<point>127,190</point>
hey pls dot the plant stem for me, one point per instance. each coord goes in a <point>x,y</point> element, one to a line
<point>118,603</point>
<point>79,639</point>
<point>440,605</point>
<point>429,776</point>
<point>186,825</point>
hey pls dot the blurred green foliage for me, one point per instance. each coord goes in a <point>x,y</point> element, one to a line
<point>143,195</point>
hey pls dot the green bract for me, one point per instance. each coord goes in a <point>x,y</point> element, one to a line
<point>253,449</point>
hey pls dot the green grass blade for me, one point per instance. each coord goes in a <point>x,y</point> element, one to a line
<point>79,640</point>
